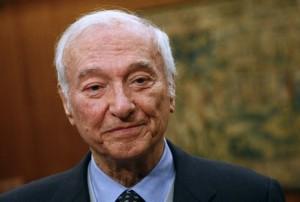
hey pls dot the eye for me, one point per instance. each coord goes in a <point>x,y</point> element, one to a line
<point>94,90</point>
<point>141,82</point>
<point>94,87</point>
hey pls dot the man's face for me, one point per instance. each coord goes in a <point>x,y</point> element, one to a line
<point>118,92</point>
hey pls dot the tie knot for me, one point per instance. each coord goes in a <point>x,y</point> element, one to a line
<point>130,196</point>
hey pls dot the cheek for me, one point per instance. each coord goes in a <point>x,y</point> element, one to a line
<point>161,103</point>
<point>88,118</point>
<point>156,105</point>
<point>88,113</point>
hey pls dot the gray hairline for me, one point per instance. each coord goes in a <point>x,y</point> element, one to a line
<point>106,17</point>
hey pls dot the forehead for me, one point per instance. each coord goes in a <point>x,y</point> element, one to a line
<point>115,36</point>
<point>111,48</point>
<point>111,44</point>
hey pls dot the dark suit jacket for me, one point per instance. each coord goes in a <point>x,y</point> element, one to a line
<point>196,180</point>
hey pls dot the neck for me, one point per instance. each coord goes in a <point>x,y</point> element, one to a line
<point>129,172</point>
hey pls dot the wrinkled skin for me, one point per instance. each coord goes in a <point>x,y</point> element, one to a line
<point>118,98</point>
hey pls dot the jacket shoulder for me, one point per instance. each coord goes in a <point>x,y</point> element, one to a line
<point>229,181</point>
<point>52,187</point>
<point>38,190</point>
<point>238,183</point>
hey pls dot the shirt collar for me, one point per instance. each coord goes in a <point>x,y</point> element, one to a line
<point>105,189</point>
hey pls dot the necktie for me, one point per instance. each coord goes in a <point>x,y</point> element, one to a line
<point>129,196</point>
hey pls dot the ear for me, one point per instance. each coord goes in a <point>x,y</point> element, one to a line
<point>66,105</point>
<point>172,104</point>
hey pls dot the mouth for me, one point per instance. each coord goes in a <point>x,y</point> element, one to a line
<point>126,130</point>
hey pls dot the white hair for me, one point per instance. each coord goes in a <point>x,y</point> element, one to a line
<point>107,17</point>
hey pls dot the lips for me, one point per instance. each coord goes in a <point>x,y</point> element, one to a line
<point>124,128</point>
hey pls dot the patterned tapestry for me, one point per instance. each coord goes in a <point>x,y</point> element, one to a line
<point>238,83</point>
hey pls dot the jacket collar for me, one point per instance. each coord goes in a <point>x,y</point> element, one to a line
<point>75,186</point>
<point>191,182</point>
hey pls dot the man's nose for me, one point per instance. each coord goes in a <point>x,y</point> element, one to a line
<point>121,105</point>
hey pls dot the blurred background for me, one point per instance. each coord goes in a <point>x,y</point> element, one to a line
<point>238,85</point>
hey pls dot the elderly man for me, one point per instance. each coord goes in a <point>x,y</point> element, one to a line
<point>116,81</point>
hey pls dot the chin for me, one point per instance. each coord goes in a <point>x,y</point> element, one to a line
<point>127,152</point>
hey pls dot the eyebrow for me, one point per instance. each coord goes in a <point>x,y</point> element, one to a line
<point>143,64</point>
<point>88,71</point>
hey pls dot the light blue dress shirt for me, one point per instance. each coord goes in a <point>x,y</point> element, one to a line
<point>157,186</point>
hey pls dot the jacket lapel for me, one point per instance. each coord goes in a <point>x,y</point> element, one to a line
<point>74,187</point>
<point>191,183</point>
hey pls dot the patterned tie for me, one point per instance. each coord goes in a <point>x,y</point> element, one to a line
<point>129,196</point>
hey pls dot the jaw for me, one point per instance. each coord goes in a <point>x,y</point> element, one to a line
<point>128,147</point>
<point>129,162</point>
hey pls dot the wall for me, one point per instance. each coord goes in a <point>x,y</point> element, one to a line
<point>36,139</point>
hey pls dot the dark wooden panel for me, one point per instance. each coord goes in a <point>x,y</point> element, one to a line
<point>16,154</point>
<point>58,145</point>
<point>37,139</point>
